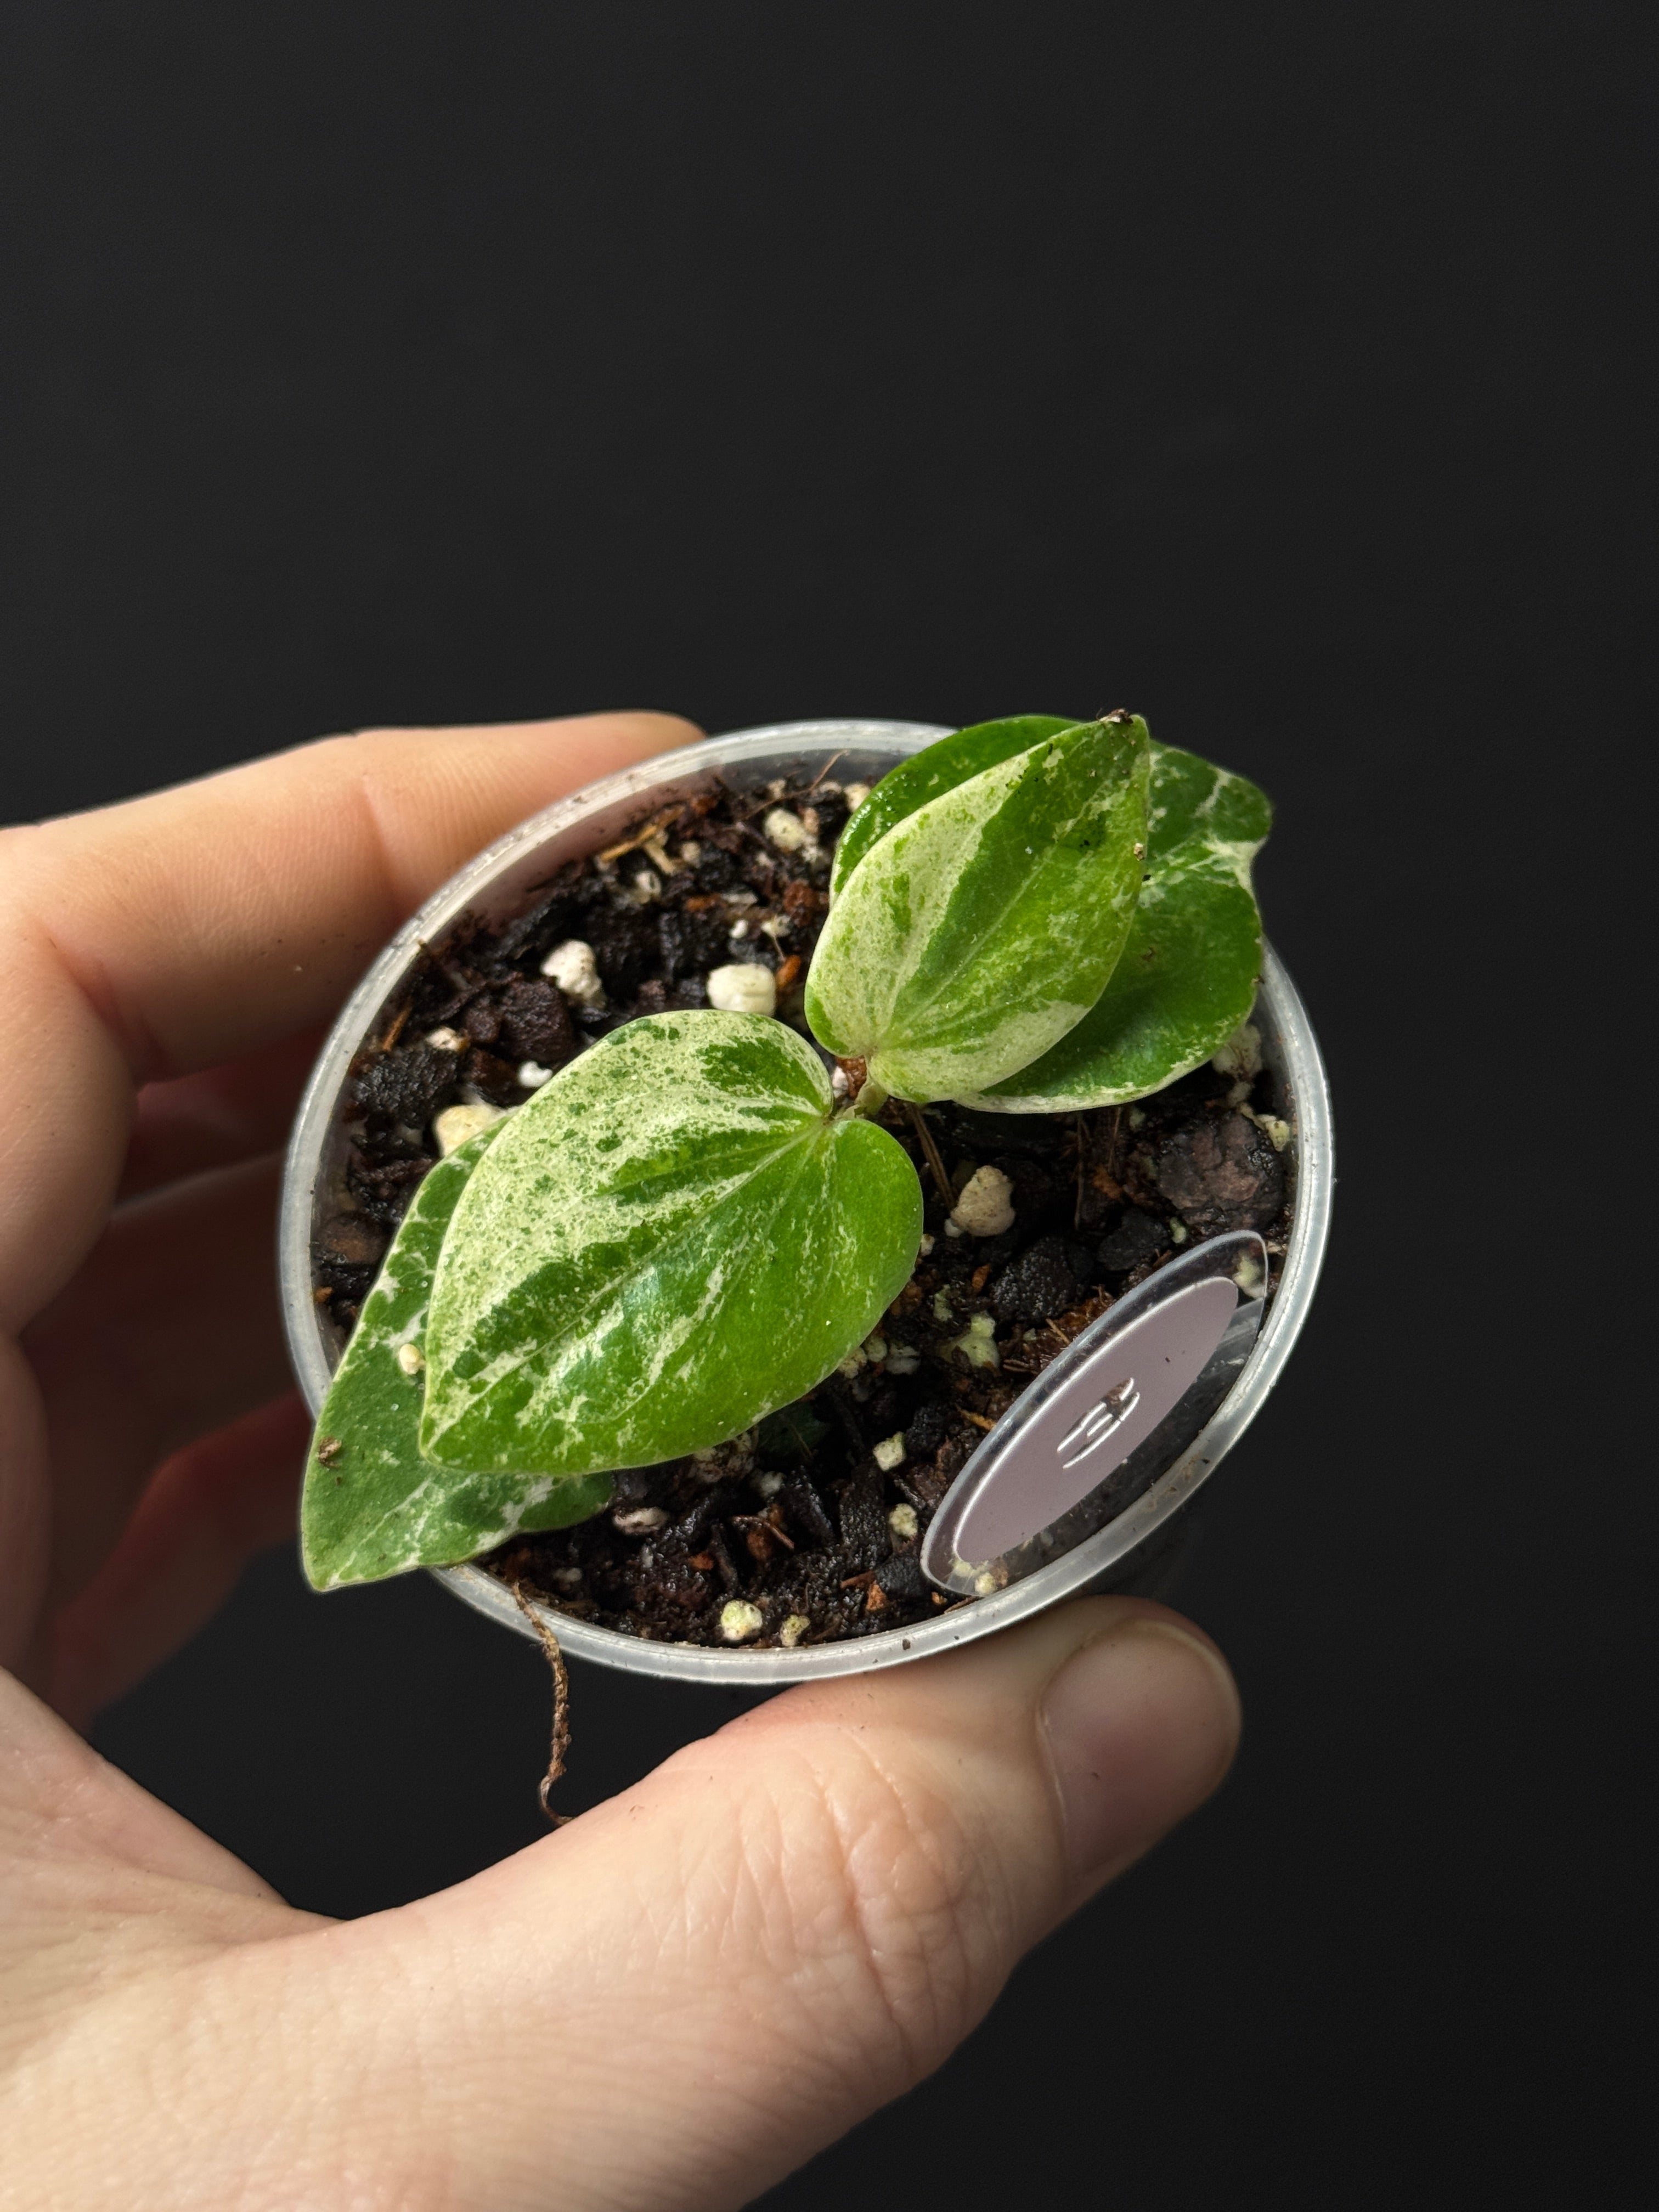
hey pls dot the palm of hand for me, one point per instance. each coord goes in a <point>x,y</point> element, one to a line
<point>830,1891</point>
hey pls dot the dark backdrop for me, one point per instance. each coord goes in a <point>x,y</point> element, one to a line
<point>1269,369</point>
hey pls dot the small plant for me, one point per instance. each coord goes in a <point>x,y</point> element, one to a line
<point>686,1229</point>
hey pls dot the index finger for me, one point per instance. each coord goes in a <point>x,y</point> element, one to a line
<point>180,930</point>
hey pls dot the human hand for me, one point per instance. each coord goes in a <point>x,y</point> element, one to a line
<point>671,2001</point>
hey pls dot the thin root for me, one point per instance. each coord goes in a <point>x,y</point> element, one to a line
<point>550,1644</point>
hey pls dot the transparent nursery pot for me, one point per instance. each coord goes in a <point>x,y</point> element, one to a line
<point>495,885</point>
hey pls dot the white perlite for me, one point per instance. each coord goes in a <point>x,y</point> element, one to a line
<point>856,793</point>
<point>456,1124</point>
<point>793,1630</point>
<point>572,967</point>
<point>448,1040</point>
<point>739,1621</point>
<point>532,1075</point>
<point>905,1526</point>
<point>889,1452</point>
<point>1242,1053</point>
<point>411,1358</point>
<point>639,1520</point>
<point>743,988</point>
<point>978,1343</point>
<point>1277,1133</point>
<point>983,1209</point>
<point>786,830</point>
<point>903,1359</point>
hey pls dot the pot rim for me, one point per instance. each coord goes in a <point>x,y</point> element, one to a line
<point>1287,1031</point>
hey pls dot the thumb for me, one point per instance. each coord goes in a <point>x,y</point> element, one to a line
<point>686,1992</point>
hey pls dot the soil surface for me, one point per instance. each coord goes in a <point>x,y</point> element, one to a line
<point>814,1518</point>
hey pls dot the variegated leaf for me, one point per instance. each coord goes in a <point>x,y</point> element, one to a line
<point>937,768</point>
<point>1188,974</point>
<point>372,1505</point>
<point>983,925</point>
<point>672,1238</point>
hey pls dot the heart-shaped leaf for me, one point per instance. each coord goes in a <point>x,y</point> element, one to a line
<point>937,768</point>
<point>983,925</point>
<point>372,1505</point>
<point>1188,973</point>
<point>672,1238</point>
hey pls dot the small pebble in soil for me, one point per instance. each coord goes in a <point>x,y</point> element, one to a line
<point>743,988</point>
<point>984,1207</point>
<point>1222,1174</point>
<point>1040,1282</point>
<point>457,1125</point>
<point>572,967</point>
<point>1137,1238</point>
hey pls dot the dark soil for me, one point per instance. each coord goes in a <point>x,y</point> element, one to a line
<point>797,1517</point>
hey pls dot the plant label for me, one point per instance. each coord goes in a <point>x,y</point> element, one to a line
<point>1113,1391</point>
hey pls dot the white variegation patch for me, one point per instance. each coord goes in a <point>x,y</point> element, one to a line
<point>982,926</point>
<point>372,1505</point>
<point>674,1237</point>
<point>1188,973</point>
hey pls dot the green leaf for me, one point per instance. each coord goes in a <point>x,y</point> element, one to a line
<point>672,1238</point>
<point>372,1505</point>
<point>1188,974</point>
<point>937,768</point>
<point>984,925</point>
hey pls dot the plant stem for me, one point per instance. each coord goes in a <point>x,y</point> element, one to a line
<point>870,1101</point>
<point>925,1137</point>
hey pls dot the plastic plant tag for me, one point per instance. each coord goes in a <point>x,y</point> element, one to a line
<point>1104,1420</point>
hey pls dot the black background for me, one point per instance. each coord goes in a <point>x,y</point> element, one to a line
<point>1271,369</point>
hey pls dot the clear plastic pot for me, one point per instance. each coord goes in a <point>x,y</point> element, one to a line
<point>492,886</point>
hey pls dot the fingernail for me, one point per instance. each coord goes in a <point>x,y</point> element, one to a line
<point>1140,1727</point>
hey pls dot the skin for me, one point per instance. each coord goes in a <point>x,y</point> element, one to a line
<point>783,1926</point>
